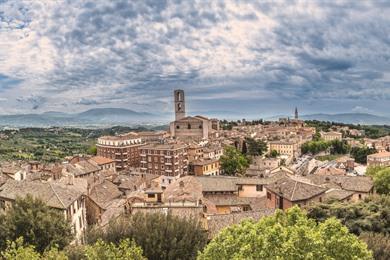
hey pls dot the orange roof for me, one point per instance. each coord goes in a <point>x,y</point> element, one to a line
<point>379,155</point>
<point>101,160</point>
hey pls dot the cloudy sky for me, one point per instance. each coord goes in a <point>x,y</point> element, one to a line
<point>254,58</point>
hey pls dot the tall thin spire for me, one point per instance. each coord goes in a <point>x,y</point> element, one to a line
<point>296,113</point>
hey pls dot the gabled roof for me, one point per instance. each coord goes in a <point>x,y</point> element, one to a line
<point>338,194</point>
<point>101,160</point>
<point>295,190</point>
<point>55,195</point>
<point>351,183</point>
<point>103,193</point>
<point>215,183</point>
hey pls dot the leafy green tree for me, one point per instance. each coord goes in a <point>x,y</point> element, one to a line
<point>317,136</point>
<point>233,162</point>
<point>360,153</point>
<point>160,236</point>
<point>373,170</point>
<point>286,235</point>
<point>16,250</point>
<point>273,154</point>
<point>255,147</point>
<point>378,243</point>
<point>314,147</point>
<point>126,249</point>
<point>382,181</point>
<point>92,150</point>
<point>370,215</point>
<point>39,225</point>
<point>339,147</point>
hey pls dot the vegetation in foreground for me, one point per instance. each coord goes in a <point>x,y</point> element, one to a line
<point>160,236</point>
<point>286,235</point>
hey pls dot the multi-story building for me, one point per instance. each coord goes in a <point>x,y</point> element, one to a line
<point>123,149</point>
<point>164,159</point>
<point>204,167</point>
<point>289,148</point>
<point>379,159</point>
<point>330,136</point>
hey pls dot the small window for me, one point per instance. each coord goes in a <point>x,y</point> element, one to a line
<point>259,187</point>
<point>150,196</point>
<point>189,126</point>
<point>268,195</point>
<point>177,127</point>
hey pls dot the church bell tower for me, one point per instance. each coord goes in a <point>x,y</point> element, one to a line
<point>180,108</point>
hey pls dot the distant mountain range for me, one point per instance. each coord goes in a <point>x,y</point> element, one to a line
<point>103,117</point>
<point>99,117</point>
<point>347,118</point>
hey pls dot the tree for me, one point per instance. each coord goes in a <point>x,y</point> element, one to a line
<point>286,235</point>
<point>373,170</point>
<point>273,154</point>
<point>315,147</point>
<point>382,181</point>
<point>92,150</point>
<point>126,249</point>
<point>160,236</point>
<point>233,162</point>
<point>370,215</point>
<point>378,243</point>
<point>39,225</point>
<point>360,153</point>
<point>255,147</point>
<point>339,147</point>
<point>16,250</point>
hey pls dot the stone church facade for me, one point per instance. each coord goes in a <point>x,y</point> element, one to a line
<point>190,127</point>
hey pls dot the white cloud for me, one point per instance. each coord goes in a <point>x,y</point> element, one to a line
<point>116,53</point>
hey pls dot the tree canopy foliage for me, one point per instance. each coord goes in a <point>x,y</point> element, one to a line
<point>369,215</point>
<point>160,236</point>
<point>360,153</point>
<point>286,235</point>
<point>39,225</point>
<point>255,147</point>
<point>382,181</point>
<point>314,147</point>
<point>378,243</point>
<point>233,162</point>
<point>126,249</point>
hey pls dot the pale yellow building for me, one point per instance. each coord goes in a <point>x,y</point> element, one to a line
<point>379,159</point>
<point>289,148</point>
<point>330,136</point>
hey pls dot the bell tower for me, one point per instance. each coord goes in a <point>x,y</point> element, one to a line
<point>180,108</point>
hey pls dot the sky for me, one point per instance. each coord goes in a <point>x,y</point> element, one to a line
<point>252,58</point>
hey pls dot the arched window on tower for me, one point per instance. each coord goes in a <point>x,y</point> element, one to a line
<point>179,107</point>
<point>178,96</point>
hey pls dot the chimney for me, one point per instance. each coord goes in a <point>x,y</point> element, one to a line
<point>70,179</point>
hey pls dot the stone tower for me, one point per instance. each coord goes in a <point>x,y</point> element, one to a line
<point>296,113</point>
<point>180,108</point>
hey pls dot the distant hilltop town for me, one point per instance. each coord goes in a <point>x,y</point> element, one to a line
<point>218,172</point>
